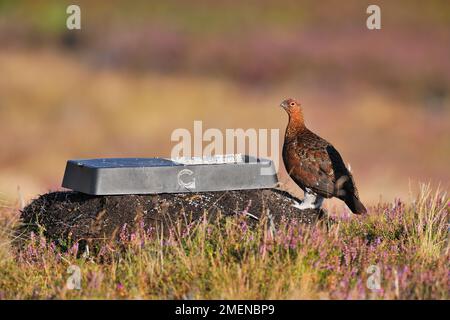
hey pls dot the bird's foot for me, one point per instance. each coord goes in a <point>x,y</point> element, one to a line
<point>305,205</point>
<point>311,201</point>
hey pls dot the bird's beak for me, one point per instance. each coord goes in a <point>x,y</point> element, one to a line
<point>284,105</point>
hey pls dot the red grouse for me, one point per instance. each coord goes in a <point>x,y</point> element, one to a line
<point>315,165</point>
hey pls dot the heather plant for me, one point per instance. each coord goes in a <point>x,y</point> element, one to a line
<point>237,258</point>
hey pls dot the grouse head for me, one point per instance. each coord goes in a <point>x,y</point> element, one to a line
<point>291,105</point>
<point>294,110</point>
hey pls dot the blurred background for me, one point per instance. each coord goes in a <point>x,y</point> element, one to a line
<point>137,70</point>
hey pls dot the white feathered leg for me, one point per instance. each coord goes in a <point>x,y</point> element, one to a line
<point>310,201</point>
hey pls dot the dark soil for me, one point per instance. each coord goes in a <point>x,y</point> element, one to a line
<point>60,215</point>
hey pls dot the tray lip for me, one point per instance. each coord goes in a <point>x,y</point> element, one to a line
<point>84,163</point>
<point>248,160</point>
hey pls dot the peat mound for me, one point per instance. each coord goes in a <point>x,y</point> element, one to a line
<point>64,214</point>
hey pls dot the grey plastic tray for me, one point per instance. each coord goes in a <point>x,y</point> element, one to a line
<point>158,175</point>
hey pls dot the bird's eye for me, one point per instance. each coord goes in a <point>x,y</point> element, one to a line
<point>292,104</point>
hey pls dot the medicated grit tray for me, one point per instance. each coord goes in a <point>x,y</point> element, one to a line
<point>158,175</point>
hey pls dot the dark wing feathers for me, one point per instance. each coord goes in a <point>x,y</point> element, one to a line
<point>314,163</point>
<point>344,182</point>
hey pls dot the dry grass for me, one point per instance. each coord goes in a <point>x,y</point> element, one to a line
<point>229,260</point>
<point>428,227</point>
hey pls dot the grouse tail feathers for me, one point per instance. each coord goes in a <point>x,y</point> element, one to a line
<point>354,204</point>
